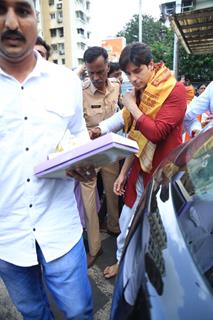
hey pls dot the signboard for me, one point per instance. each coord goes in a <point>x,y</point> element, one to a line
<point>114,46</point>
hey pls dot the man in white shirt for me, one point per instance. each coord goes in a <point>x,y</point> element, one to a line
<point>40,225</point>
<point>198,106</point>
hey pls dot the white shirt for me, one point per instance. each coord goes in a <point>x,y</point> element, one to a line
<point>198,106</point>
<point>112,124</point>
<point>33,117</point>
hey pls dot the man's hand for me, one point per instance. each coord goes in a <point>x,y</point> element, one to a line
<point>94,133</point>
<point>119,185</point>
<point>81,174</point>
<point>129,101</point>
<point>207,120</point>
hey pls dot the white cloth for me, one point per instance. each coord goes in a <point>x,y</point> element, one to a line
<point>33,118</point>
<point>126,217</point>
<point>112,124</point>
<point>198,106</point>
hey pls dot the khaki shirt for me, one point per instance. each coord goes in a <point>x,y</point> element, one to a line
<point>97,105</point>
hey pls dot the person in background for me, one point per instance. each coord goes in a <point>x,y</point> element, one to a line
<point>199,106</point>
<point>115,71</point>
<point>152,116</point>
<point>205,116</point>
<point>201,88</point>
<point>100,98</point>
<point>40,233</point>
<point>190,95</point>
<point>190,91</point>
<point>114,74</point>
<point>43,48</point>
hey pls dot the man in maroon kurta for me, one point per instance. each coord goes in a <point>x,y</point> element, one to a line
<point>165,131</point>
<point>155,88</point>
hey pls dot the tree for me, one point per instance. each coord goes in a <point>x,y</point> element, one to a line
<point>155,34</point>
<point>198,68</point>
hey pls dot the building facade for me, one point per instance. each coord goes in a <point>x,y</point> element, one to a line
<point>168,7</point>
<point>64,24</point>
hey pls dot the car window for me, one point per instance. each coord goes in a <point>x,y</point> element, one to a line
<point>192,194</point>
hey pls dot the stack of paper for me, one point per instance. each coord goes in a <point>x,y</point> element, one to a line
<point>99,152</point>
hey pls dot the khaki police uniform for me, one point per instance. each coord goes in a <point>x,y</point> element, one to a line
<point>99,106</point>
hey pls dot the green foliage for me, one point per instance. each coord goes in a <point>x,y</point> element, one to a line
<point>160,39</point>
<point>155,34</point>
<point>197,68</point>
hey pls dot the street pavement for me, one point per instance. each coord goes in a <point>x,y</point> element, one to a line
<point>102,288</point>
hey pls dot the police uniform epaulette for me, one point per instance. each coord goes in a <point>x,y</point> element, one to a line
<point>86,84</point>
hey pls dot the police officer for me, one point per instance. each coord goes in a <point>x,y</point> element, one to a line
<point>100,101</point>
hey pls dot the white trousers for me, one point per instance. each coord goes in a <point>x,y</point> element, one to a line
<point>126,217</point>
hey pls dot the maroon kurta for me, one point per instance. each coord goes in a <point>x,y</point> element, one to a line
<point>165,131</point>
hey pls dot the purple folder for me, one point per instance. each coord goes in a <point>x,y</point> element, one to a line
<point>99,152</point>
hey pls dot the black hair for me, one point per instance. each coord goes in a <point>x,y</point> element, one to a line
<point>200,85</point>
<point>113,66</point>
<point>92,53</point>
<point>136,53</point>
<point>42,42</point>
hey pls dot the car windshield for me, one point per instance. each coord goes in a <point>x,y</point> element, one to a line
<point>192,193</point>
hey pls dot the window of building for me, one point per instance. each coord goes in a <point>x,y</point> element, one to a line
<point>55,61</point>
<point>88,35</point>
<point>81,45</point>
<point>80,15</point>
<point>54,47</point>
<point>61,48</point>
<point>61,32</point>
<point>59,6</point>
<point>80,31</point>
<point>53,33</point>
<point>52,15</point>
<point>88,5</point>
<point>60,16</point>
<point>51,2</point>
<point>63,61</point>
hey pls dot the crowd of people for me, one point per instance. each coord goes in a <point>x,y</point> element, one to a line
<point>41,231</point>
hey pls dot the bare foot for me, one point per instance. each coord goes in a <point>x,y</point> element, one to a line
<point>111,271</point>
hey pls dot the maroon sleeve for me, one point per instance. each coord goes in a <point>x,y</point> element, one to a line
<point>168,117</point>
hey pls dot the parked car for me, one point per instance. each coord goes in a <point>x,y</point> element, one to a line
<point>166,271</point>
